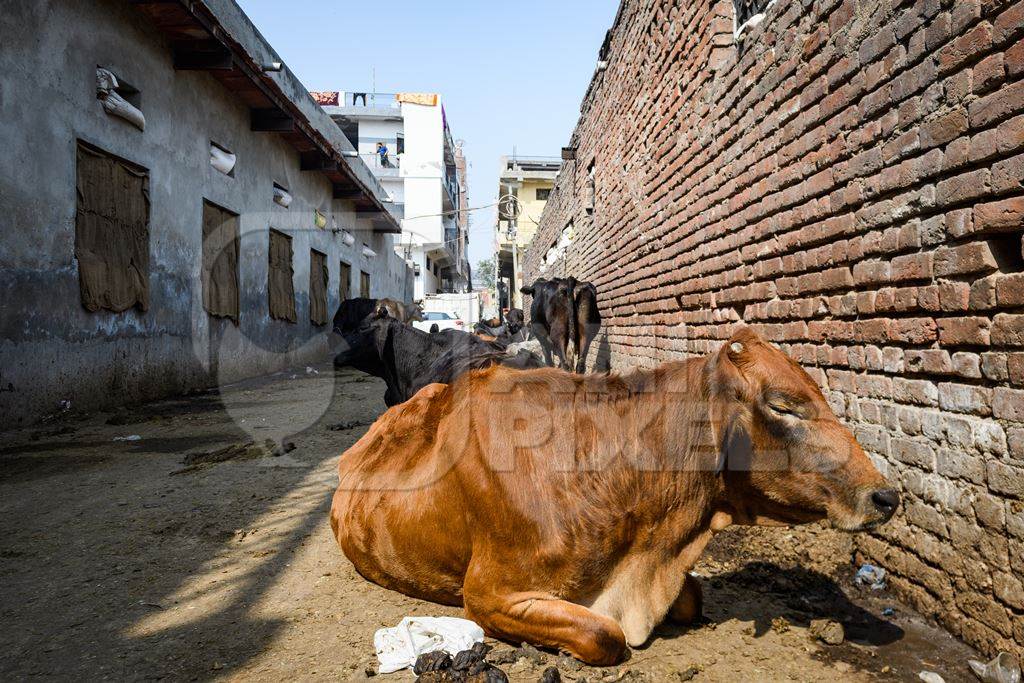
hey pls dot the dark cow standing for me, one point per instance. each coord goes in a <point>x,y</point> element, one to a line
<point>408,359</point>
<point>563,312</point>
<point>588,322</point>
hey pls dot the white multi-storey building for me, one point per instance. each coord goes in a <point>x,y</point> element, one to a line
<point>419,172</point>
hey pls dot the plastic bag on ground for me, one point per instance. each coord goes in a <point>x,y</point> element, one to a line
<point>870,575</point>
<point>1003,669</point>
<point>399,646</point>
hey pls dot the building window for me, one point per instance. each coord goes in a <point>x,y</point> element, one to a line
<point>590,198</point>
<point>345,285</point>
<point>318,277</point>
<point>111,231</point>
<point>118,98</point>
<point>364,284</point>
<point>282,196</point>
<point>220,262</point>
<point>222,159</point>
<point>400,144</point>
<point>280,288</point>
<point>543,193</point>
<point>429,266</point>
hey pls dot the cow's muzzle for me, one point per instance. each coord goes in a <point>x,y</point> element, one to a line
<point>874,506</point>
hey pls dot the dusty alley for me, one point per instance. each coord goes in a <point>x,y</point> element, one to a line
<point>172,541</point>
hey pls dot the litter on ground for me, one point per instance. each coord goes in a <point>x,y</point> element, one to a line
<point>400,646</point>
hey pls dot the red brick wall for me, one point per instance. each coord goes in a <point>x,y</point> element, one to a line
<point>848,181</point>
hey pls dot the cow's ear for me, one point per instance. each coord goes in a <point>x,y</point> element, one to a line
<point>727,388</point>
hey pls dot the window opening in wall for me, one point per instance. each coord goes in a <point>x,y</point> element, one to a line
<point>222,159</point>
<point>280,287</point>
<point>119,98</point>
<point>220,262</point>
<point>748,13</point>
<point>590,199</point>
<point>282,196</point>
<point>345,283</point>
<point>318,279</point>
<point>1007,252</point>
<point>364,284</point>
<point>350,129</point>
<point>400,145</point>
<point>543,194</point>
<point>111,231</point>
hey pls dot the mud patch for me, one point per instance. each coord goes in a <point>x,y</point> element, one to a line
<point>248,450</point>
<point>349,424</point>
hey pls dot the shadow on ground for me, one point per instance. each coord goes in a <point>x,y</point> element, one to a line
<point>112,568</point>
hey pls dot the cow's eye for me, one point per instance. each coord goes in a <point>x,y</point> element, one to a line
<point>782,409</point>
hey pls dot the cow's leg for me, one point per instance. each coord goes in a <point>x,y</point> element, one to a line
<point>545,344</point>
<point>586,335</point>
<point>546,621</point>
<point>688,608</point>
<point>560,342</point>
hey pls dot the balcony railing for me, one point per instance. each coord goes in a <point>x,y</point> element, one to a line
<point>451,186</point>
<point>451,239</point>
<point>374,161</point>
<point>374,100</point>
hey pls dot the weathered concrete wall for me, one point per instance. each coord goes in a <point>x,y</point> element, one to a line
<point>850,183</point>
<point>51,348</point>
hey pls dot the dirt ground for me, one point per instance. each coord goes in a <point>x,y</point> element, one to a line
<point>188,553</point>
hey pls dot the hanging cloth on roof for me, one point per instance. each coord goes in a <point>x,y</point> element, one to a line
<point>428,99</point>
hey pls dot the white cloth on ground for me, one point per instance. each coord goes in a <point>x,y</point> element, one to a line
<point>399,646</point>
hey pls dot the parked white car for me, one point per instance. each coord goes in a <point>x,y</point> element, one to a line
<point>444,321</point>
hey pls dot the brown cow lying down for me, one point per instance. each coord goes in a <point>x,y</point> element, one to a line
<point>566,510</point>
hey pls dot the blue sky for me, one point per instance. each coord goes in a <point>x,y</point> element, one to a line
<point>511,74</point>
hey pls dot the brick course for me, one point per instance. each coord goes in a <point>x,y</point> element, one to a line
<point>848,180</point>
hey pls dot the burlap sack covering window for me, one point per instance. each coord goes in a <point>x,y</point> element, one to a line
<point>111,232</point>
<point>220,262</point>
<point>345,284</point>
<point>279,286</point>
<point>364,284</point>
<point>317,287</point>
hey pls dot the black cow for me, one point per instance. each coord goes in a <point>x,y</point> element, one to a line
<point>588,322</point>
<point>351,313</point>
<point>564,311</point>
<point>408,359</point>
